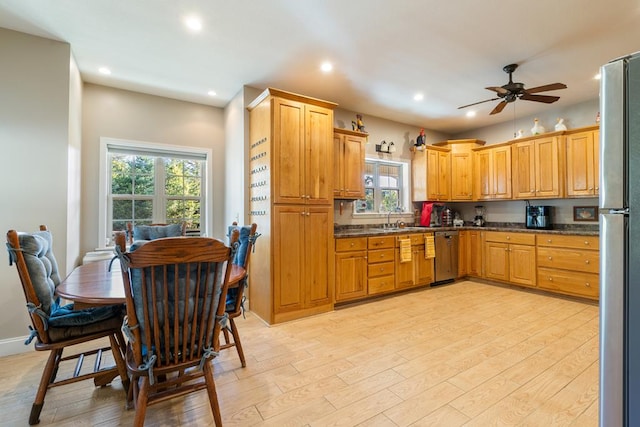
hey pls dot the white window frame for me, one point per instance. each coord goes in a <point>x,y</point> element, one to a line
<point>405,187</point>
<point>206,214</point>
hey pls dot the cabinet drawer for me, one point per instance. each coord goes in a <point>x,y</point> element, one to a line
<point>416,239</point>
<point>569,259</point>
<point>381,284</point>
<point>381,255</point>
<point>507,237</point>
<point>569,282</point>
<point>351,244</point>
<point>381,242</point>
<point>563,241</point>
<point>380,269</point>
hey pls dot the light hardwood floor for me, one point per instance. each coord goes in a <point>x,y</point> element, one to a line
<point>464,354</point>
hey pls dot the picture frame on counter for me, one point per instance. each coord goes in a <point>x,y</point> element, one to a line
<point>585,213</point>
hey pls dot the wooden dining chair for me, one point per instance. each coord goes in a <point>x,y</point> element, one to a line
<point>175,289</point>
<point>56,328</point>
<point>235,296</point>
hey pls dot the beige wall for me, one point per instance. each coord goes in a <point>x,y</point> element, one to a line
<point>115,113</point>
<point>38,120</point>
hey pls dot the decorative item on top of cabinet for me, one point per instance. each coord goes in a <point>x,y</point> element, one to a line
<point>348,164</point>
<point>538,167</point>
<point>583,162</point>
<point>492,172</point>
<point>537,128</point>
<point>560,125</point>
<point>292,275</point>
<point>461,166</point>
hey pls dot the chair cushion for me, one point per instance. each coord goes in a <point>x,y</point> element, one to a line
<point>152,232</point>
<point>243,239</point>
<point>37,249</point>
<point>66,316</point>
<point>59,333</point>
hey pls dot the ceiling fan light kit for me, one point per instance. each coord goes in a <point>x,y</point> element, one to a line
<point>515,90</point>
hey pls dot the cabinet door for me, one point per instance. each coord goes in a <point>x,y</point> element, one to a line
<point>419,177</point>
<point>405,271</point>
<point>444,181</point>
<point>433,174</point>
<point>483,175</point>
<point>338,168</point>
<point>475,253</point>
<point>522,264</point>
<point>582,159</point>
<point>501,171</point>
<point>461,176</point>
<point>318,272</point>
<point>463,253</point>
<point>318,149</point>
<point>351,275</point>
<point>496,264</point>
<point>288,258</point>
<point>524,170</point>
<point>547,171</point>
<point>289,151</point>
<point>424,267</point>
<point>353,167</point>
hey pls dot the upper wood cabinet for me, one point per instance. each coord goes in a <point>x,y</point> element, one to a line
<point>538,170</point>
<point>348,164</point>
<point>302,135</point>
<point>431,174</point>
<point>492,172</point>
<point>461,167</point>
<point>583,162</point>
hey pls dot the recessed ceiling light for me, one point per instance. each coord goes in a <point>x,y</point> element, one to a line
<point>418,97</point>
<point>597,76</point>
<point>193,23</point>
<point>212,93</point>
<point>471,113</point>
<point>104,70</point>
<point>326,67</point>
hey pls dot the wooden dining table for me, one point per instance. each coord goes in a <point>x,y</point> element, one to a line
<point>93,284</point>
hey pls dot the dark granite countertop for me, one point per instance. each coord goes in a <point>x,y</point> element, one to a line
<point>377,229</point>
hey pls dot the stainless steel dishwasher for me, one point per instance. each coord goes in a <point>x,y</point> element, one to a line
<point>446,264</point>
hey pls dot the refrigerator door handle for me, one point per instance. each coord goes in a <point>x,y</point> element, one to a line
<point>613,235</point>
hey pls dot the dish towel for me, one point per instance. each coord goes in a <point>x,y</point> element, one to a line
<point>429,247</point>
<point>405,250</point>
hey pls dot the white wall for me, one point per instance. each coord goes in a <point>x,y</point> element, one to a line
<point>39,95</point>
<point>109,112</point>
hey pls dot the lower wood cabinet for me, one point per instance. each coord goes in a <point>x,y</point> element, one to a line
<point>381,264</point>
<point>569,264</point>
<point>417,271</point>
<point>476,253</point>
<point>351,268</point>
<point>510,257</point>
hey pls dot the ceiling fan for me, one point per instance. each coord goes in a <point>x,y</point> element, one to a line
<point>512,91</point>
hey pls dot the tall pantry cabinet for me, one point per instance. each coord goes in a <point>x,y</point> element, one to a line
<point>291,200</point>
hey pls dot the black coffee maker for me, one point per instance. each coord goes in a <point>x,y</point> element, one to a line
<point>538,217</point>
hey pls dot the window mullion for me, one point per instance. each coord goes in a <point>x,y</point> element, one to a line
<point>159,201</point>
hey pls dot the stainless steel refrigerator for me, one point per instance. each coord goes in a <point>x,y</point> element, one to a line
<point>620,243</point>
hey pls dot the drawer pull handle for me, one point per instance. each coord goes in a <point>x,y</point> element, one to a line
<point>586,243</point>
<point>548,240</point>
<point>352,244</point>
<point>381,268</point>
<point>508,237</point>
<point>586,262</point>
<point>588,285</point>
<point>551,279</point>
<point>550,258</point>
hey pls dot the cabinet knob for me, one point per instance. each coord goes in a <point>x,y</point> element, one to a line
<point>586,262</point>
<point>586,242</point>
<point>548,240</point>
<point>588,285</point>
<point>550,258</point>
<point>550,279</point>
<point>590,188</point>
<point>381,268</point>
<point>353,244</point>
<point>508,237</point>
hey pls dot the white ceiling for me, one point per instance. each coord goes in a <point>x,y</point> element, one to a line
<point>383,51</point>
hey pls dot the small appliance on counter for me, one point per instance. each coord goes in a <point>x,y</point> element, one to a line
<point>538,217</point>
<point>457,221</point>
<point>447,217</point>
<point>436,215</point>
<point>478,221</point>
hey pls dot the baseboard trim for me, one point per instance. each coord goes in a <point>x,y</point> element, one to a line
<point>14,345</point>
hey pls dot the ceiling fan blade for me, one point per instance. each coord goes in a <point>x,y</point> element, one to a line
<point>552,86</point>
<point>499,107</point>
<point>498,89</point>
<point>476,103</point>
<point>540,98</point>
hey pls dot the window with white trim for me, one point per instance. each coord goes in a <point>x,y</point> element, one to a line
<point>385,187</point>
<point>153,184</point>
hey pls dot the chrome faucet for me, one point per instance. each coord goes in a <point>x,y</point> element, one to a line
<point>397,209</point>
